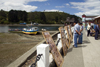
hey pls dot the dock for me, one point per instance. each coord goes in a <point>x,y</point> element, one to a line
<point>85,55</point>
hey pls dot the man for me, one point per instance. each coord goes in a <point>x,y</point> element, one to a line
<point>94,26</point>
<point>96,32</point>
<point>76,33</point>
<point>81,36</point>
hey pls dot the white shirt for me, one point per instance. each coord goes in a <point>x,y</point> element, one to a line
<point>88,27</point>
<point>76,27</point>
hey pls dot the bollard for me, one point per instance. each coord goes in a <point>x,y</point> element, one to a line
<point>44,60</point>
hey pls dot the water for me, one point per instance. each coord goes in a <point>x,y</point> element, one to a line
<point>48,28</point>
<point>4,29</point>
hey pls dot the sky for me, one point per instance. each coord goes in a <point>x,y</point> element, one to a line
<point>74,7</point>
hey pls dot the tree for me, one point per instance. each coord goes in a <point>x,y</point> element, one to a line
<point>16,16</point>
<point>56,18</point>
<point>13,16</point>
<point>42,17</point>
<point>3,16</point>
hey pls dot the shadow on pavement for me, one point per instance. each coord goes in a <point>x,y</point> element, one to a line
<point>81,45</point>
<point>70,49</point>
<point>85,41</point>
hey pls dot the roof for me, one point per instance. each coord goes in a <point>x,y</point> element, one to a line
<point>96,17</point>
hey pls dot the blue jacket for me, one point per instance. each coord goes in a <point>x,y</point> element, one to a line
<point>94,26</point>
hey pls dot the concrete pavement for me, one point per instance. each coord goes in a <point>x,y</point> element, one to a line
<point>86,55</point>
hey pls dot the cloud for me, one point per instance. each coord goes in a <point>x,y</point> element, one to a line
<point>89,7</point>
<point>63,6</point>
<point>59,6</point>
<point>18,5</point>
<point>67,4</point>
<point>53,10</point>
<point>47,4</point>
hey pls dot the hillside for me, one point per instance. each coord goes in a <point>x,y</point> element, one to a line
<point>18,16</point>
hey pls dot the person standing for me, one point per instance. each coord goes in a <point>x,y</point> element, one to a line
<point>88,28</point>
<point>76,33</point>
<point>80,39</point>
<point>96,32</point>
<point>94,25</point>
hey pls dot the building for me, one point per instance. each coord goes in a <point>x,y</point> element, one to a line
<point>88,17</point>
<point>97,20</point>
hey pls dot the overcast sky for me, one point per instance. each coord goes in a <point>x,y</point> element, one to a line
<point>76,7</point>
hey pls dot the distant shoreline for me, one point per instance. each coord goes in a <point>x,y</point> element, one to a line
<point>32,25</point>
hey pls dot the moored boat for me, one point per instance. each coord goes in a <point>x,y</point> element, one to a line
<point>32,30</point>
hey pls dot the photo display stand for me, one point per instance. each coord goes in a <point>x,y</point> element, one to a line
<point>69,38</point>
<point>64,40</point>
<point>70,32</point>
<point>54,51</point>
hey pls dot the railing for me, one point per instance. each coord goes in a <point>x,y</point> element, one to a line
<point>44,57</point>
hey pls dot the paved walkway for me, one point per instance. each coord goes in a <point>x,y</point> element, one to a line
<point>86,55</point>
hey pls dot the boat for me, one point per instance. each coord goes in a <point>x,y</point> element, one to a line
<point>24,29</point>
<point>32,30</point>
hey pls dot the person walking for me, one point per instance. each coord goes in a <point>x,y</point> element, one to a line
<point>88,28</point>
<point>76,33</point>
<point>96,32</point>
<point>80,39</point>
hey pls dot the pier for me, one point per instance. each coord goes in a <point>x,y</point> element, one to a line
<point>85,55</point>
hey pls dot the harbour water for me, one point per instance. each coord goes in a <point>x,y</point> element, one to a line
<point>48,28</point>
<point>4,29</point>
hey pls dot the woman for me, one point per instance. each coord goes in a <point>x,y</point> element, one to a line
<point>88,28</point>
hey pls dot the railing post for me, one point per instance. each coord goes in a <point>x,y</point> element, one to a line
<point>44,60</point>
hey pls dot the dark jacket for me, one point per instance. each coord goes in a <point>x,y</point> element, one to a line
<point>97,28</point>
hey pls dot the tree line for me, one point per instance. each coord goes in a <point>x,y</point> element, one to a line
<point>18,16</point>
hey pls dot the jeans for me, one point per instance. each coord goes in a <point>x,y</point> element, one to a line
<point>75,39</point>
<point>96,35</point>
<point>88,32</point>
<point>80,38</point>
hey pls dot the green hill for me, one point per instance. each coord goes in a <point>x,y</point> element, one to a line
<point>18,16</point>
<point>49,17</point>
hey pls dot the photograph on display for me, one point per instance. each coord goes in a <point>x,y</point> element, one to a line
<point>64,40</point>
<point>53,48</point>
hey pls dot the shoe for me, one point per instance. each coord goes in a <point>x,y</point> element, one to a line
<point>74,46</point>
<point>79,43</point>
